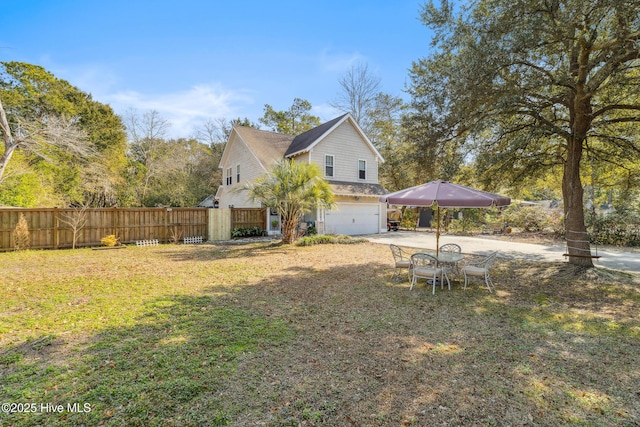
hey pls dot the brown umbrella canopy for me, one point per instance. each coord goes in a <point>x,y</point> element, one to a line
<point>444,194</point>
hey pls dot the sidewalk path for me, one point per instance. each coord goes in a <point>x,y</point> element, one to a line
<point>613,259</point>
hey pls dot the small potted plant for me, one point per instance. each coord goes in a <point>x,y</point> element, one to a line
<point>274,224</point>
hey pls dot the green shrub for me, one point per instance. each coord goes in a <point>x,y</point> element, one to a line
<point>315,240</point>
<point>328,239</point>
<point>621,228</point>
<point>556,222</point>
<point>409,219</point>
<point>239,232</point>
<point>528,218</point>
<point>470,220</point>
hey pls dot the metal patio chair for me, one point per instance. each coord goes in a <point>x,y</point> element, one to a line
<point>454,249</point>
<point>480,268</point>
<point>401,259</point>
<point>425,266</point>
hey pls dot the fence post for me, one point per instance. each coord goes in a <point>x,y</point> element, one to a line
<point>56,238</point>
<point>166,225</point>
<point>114,221</point>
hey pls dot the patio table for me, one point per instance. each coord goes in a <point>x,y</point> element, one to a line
<point>446,258</point>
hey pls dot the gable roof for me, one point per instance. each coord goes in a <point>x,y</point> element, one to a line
<point>305,142</point>
<point>267,146</point>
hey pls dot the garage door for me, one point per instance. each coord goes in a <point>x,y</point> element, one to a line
<point>353,219</point>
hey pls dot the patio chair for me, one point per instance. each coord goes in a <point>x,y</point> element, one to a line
<point>454,249</point>
<point>426,266</point>
<point>401,259</point>
<point>479,268</point>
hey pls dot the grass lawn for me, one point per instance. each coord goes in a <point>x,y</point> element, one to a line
<point>261,334</point>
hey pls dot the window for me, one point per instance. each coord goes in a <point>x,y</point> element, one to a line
<point>328,166</point>
<point>238,173</point>
<point>362,169</point>
<point>229,176</point>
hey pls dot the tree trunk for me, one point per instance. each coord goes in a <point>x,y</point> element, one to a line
<point>581,113</point>
<point>578,247</point>
<point>9,143</point>
<point>289,225</point>
<point>4,159</point>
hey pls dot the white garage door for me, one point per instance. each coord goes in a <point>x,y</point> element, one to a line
<point>353,219</point>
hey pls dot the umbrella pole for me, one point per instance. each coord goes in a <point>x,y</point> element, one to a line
<point>438,232</point>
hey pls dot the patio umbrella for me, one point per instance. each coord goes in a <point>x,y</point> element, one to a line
<point>444,194</point>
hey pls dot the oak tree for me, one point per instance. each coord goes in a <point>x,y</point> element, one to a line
<point>533,84</point>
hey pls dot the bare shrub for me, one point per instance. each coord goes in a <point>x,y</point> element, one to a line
<point>21,239</point>
<point>76,220</point>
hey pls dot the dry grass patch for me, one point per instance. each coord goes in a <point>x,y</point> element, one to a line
<point>261,334</point>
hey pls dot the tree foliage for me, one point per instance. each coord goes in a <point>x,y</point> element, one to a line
<point>293,121</point>
<point>385,132</point>
<point>523,86</point>
<point>292,189</point>
<point>57,132</point>
<point>171,172</point>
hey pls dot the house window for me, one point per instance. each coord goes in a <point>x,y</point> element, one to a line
<point>238,173</point>
<point>328,166</point>
<point>229,176</point>
<point>362,169</point>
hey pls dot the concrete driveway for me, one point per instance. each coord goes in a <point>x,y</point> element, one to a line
<point>610,257</point>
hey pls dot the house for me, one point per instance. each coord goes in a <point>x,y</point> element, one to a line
<point>348,160</point>
<point>209,202</point>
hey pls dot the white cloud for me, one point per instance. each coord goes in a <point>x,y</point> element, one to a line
<point>183,109</point>
<point>186,109</point>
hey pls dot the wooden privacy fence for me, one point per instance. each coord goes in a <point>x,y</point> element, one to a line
<point>249,217</point>
<point>53,227</point>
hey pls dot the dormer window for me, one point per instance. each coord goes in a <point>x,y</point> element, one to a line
<point>328,166</point>
<point>362,169</point>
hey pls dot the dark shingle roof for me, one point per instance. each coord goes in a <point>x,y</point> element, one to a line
<point>304,140</point>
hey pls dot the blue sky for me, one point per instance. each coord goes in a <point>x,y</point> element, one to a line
<point>193,60</point>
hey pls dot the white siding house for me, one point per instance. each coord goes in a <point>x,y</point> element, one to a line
<point>348,160</point>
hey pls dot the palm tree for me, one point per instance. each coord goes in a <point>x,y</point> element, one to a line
<point>292,189</point>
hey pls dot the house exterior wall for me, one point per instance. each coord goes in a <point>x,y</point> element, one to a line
<point>347,147</point>
<point>250,168</point>
<point>382,208</point>
<point>326,223</point>
<point>303,158</point>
